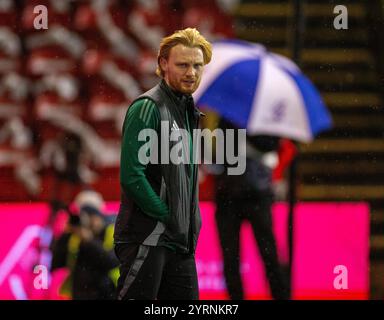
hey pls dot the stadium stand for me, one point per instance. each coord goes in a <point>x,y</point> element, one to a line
<point>78,77</point>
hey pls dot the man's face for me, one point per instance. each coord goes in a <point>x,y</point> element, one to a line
<point>96,224</point>
<point>183,69</point>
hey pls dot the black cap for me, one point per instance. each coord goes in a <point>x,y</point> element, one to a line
<point>90,210</point>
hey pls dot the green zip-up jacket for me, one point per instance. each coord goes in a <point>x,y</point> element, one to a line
<point>159,203</point>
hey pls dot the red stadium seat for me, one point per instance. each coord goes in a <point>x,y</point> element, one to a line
<point>106,113</point>
<point>102,70</point>
<point>16,148</point>
<point>148,24</point>
<point>47,103</point>
<point>86,18</point>
<point>12,189</point>
<point>49,109</point>
<point>8,15</point>
<point>146,67</point>
<point>50,60</point>
<point>10,50</point>
<point>209,20</point>
<point>108,183</point>
<point>93,60</point>
<point>9,109</point>
<point>9,64</point>
<point>103,107</point>
<point>14,91</point>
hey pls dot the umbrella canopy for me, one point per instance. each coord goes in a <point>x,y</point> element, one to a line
<point>263,92</point>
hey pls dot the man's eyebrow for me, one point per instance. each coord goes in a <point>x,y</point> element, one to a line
<point>187,62</point>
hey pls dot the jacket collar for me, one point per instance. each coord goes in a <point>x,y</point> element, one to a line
<point>173,93</point>
<point>179,97</point>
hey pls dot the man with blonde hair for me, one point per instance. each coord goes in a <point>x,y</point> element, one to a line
<point>159,220</point>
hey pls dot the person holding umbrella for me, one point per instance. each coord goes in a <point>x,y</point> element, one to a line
<point>265,93</point>
<point>249,197</point>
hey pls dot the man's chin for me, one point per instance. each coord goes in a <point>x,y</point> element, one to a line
<point>187,90</point>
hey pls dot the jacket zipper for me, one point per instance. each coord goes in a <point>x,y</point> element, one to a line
<point>193,203</point>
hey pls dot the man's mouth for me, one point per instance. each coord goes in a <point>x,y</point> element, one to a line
<point>189,82</point>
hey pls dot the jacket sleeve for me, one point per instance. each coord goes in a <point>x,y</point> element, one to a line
<point>143,114</point>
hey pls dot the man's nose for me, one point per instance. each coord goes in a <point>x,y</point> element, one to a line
<point>190,71</point>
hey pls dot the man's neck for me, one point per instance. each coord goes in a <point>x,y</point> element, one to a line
<point>180,98</point>
<point>177,93</point>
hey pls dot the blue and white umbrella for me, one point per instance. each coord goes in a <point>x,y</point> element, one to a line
<point>263,92</point>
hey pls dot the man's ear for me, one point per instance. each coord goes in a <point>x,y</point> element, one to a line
<point>163,64</point>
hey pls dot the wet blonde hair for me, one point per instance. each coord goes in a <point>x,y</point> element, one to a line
<point>188,37</point>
